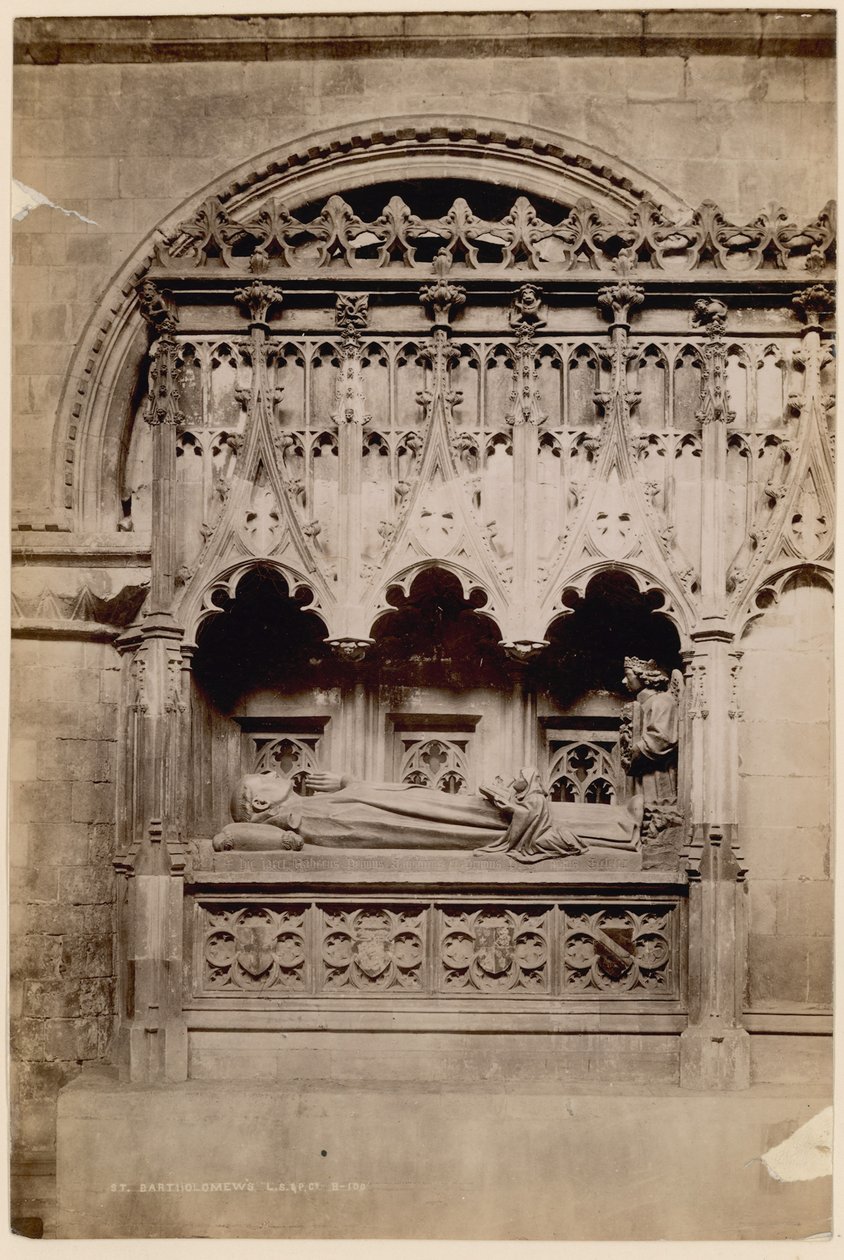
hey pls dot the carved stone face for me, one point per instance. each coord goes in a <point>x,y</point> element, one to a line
<point>632,681</point>
<point>264,793</point>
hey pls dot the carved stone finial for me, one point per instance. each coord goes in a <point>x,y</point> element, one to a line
<point>442,296</point>
<point>257,300</point>
<point>157,308</point>
<point>626,261</point>
<point>710,316</point>
<point>352,311</point>
<point>813,303</point>
<point>620,298</point>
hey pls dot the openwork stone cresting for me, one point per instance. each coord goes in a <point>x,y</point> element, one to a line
<point>585,236</point>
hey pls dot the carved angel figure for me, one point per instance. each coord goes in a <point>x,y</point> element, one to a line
<point>650,730</point>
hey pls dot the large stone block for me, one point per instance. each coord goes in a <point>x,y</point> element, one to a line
<point>789,1060</point>
<point>724,79</point>
<point>36,958</point>
<point>768,801</point>
<point>71,1039</point>
<point>58,844</point>
<point>89,251</point>
<point>39,249</point>
<point>48,717</point>
<point>821,972</point>
<point>786,852</point>
<point>23,760</point>
<point>86,760</point>
<point>52,918</point>
<point>788,749</point>
<point>86,885</point>
<point>30,138</point>
<point>762,906</point>
<point>141,177</point>
<point>27,1039</point>
<point>31,683</point>
<point>72,82</point>
<point>651,78</point>
<point>820,79</point>
<point>101,843</point>
<point>805,909</point>
<point>423,1161</point>
<point>88,957</point>
<point>93,802</point>
<point>35,1125</point>
<point>65,999</point>
<point>29,884</point>
<point>778,968</point>
<point>41,802</point>
<point>450,1059</point>
<point>60,178</point>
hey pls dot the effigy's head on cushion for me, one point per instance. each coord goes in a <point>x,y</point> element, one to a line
<point>257,797</point>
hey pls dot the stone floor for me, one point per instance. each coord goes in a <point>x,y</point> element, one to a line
<point>410,1160</point>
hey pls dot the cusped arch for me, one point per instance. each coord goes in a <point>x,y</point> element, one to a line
<point>471,586</point>
<point>673,607</point>
<point>768,591</point>
<point>216,593</point>
<point>92,417</point>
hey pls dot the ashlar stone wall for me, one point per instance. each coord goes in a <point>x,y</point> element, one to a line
<point>786,801</point>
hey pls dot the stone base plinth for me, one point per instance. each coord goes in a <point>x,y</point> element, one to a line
<point>414,1160</point>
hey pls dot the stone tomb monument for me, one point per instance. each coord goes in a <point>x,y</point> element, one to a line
<point>430,712</point>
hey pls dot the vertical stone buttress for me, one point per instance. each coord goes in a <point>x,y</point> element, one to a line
<point>715,1048</point>
<point>154,1040</point>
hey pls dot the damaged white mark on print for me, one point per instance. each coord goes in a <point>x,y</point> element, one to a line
<point>806,1154</point>
<point>25,199</point>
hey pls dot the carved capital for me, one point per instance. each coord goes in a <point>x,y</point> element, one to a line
<point>349,649</point>
<point>620,299</point>
<point>813,303</point>
<point>157,308</point>
<point>523,650</point>
<point>257,299</point>
<point>441,296</point>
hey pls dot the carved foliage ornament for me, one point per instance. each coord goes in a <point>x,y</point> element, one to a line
<point>585,236</point>
<point>576,951</point>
